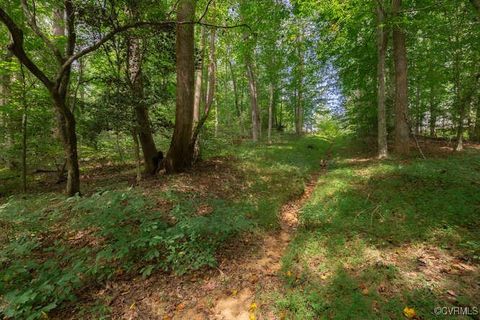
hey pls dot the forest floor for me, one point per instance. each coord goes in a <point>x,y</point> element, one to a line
<point>302,229</point>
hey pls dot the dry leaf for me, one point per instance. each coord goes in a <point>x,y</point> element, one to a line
<point>181,306</point>
<point>409,313</point>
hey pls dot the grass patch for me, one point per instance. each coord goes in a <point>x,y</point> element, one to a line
<point>377,237</point>
<point>52,247</point>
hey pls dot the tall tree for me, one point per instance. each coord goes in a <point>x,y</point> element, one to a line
<point>180,155</point>
<point>58,87</point>
<point>402,131</point>
<point>135,80</point>
<point>253,89</point>
<point>382,41</point>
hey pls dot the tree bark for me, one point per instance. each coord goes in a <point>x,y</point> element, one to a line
<point>476,131</point>
<point>136,153</point>
<point>212,70</point>
<point>402,131</point>
<point>24,130</point>
<point>135,77</point>
<point>180,155</point>
<point>252,85</point>
<point>299,102</point>
<point>382,41</point>
<point>235,93</point>
<point>199,78</point>
<point>270,111</point>
<point>464,102</point>
<point>433,113</point>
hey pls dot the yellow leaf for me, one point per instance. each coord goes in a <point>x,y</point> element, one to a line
<point>252,317</point>
<point>253,307</point>
<point>409,313</point>
<point>132,306</point>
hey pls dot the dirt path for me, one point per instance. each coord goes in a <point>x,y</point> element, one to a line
<point>232,291</point>
<point>264,269</point>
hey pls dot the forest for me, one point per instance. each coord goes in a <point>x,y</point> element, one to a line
<point>239,159</point>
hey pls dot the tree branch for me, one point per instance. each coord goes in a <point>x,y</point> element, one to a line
<point>32,22</point>
<point>205,12</point>
<point>164,25</point>
<point>16,47</point>
<point>70,23</point>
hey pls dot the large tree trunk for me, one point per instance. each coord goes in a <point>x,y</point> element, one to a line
<point>65,118</point>
<point>5,84</point>
<point>382,41</point>
<point>180,155</point>
<point>252,85</point>
<point>135,77</point>
<point>402,131</point>
<point>67,129</point>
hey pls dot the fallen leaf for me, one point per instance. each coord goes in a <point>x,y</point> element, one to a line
<point>409,313</point>
<point>180,307</point>
<point>452,293</point>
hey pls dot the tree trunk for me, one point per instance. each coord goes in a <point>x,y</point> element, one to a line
<point>382,41</point>
<point>212,70</point>
<point>476,131</point>
<point>5,84</point>
<point>252,85</point>
<point>65,118</point>
<point>433,113</point>
<point>136,153</point>
<point>199,78</point>
<point>67,127</point>
<point>180,155</point>
<point>402,132</point>
<point>464,102</point>
<point>135,77</point>
<point>235,93</point>
<point>270,111</point>
<point>24,131</point>
<point>299,102</point>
